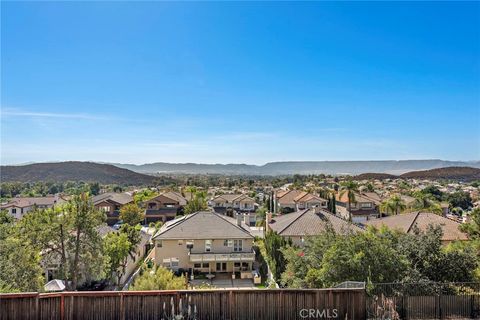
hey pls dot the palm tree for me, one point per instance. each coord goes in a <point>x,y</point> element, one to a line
<point>394,205</point>
<point>426,202</point>
<point>386,206</point>
<point>350,187</point>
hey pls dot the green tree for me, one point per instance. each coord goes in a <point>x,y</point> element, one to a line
<point>132,214</point>
<point>434,192</point>
<point>460,199</point>
<point>472,228</point>
<point>117,248</point>
<point>426,202</point>
<point>274,243</point>
<point>394,205</point>
<point>377,256</point>
<point>85,243</point>
<point>197,203</point>
<point>349,187</point>
<point>19,263</point>
<point>158,279</point>
<point>94,188</point>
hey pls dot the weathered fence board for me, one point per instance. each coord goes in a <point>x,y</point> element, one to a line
<point>276,304</point>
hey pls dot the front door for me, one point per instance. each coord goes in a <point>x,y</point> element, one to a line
<point>221,267</point>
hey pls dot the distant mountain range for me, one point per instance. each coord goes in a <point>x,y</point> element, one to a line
<point>74,171</point>
<point>145,175</point>
<point>299,167</point>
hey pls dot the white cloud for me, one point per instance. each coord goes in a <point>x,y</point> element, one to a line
<point>30,114</point>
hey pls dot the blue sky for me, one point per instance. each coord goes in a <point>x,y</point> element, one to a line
<point>239,82</point>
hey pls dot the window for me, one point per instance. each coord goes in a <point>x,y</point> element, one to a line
<point>197,265</point>
<point>228,243</point>
<point>159,243</point>
<point>206,265</point>
<point>174,263</point>
<point>237,245</point>
<point>208,245</point>
<point>14,210</point>
<point>366,204</point>
<point>105,209</point>
<point>21,210</point>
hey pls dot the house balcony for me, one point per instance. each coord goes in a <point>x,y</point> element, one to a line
<point>223,257</point>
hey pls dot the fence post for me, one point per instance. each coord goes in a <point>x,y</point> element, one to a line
<point>37,307</point>
<point>439,306</point>
<point>62,306</point>
<point>122,307</point>
<point>472,306</point>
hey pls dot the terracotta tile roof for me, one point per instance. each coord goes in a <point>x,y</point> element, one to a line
<point>300,196</point>
<point>307,222</point>
<point>360,197</point>
<point>281,193</point>
<point>405,222</point>
<point>289,197</point>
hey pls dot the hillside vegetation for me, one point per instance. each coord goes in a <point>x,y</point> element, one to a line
<point>74,171</point>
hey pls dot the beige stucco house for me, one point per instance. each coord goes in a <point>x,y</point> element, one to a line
<point>164,207</point>
<point>294,200</point>
<point>18,207</point>
<point>205,242</point>
<point>111,203</point>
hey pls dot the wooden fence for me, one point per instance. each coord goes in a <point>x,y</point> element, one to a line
<point>193,304</point>
<point>437,301</point>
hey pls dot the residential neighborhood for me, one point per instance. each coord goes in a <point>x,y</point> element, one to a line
<point>240,160</point>
<point>219,241</point>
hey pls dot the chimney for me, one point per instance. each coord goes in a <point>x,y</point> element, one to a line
<point>268,220</point>
<point>239,219</point>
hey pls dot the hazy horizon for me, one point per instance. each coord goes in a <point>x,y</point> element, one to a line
<point>231,163</point>
<point>231,82</point>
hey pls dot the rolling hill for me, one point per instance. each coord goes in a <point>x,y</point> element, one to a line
<point>451,173</point>
<point>74,171</point>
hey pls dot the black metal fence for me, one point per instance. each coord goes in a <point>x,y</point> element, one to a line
<point>423,300</point>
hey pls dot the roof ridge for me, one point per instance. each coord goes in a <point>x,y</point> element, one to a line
<point>288,225</point>
<point>413,221</point>
<point>287,192</point>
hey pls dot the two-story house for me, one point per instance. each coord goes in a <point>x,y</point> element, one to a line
<point>18,207</point>
<point>236,203</point>
<point>293,200</point>
<point>365,206</point>
<point>164,207</point>
<point>205,242</point>
<point>111,203</point>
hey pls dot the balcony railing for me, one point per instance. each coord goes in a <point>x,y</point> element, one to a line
<point>222,257</point>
